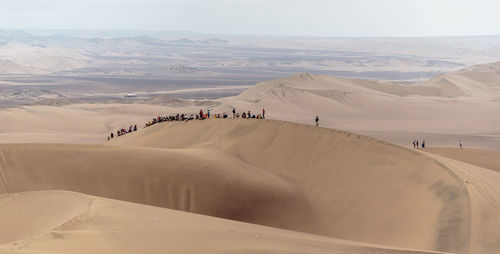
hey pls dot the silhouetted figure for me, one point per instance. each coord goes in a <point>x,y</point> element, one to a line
<point>417,142</point>
<point>461,144</point>
<point>317,121</point>
<point>414,143</point>
<point>234,113</point>
<point>423,143</point>
<point>135,127</point>
<point>263,113</point>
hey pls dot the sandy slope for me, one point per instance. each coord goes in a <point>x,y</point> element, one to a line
<point>483,185</point>
<point>83,123</point>
<point>442,111</point>
<point>76,223</point>
<point>484,158</point>
<point>279,174</point>
<point>272,173</point>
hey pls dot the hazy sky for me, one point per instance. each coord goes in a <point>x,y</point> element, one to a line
<point>277,17</point>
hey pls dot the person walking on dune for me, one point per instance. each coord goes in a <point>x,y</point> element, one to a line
<point>317,121</point>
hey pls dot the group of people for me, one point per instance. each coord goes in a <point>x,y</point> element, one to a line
<point>249,115</point>
<point>415,143</point>
<point>185,117</point>
<point>123,131</point>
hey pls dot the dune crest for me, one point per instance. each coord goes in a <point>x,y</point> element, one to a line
<point>272,173</point>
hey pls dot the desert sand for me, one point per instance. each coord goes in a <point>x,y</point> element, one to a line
<point>274,185</point>
<point>258,172</point>
<point>77,223</point>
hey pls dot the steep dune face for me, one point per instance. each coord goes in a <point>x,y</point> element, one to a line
<point>271,173</point>
<point>179,180</point>
<point>348,179</point>
<point>67,222</point>
<point>483,185</point>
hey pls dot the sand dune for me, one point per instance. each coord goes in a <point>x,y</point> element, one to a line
<point>81,123</point>
<point>76,223</point>
<point>325,184</point>
<point>272,173</point>
<point>484,158</point>
<point>393,112</point>
<point>483,185</point>
<point>452,105</point>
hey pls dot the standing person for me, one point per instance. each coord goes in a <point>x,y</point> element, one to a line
<point>414,144</point>
<point>234,113</point>
<point>461,144</point>
<point>263,114</point>
<point>317,121</point>
<point>423,143</point>
<point>417,143</point>
<point>208,114</point>
<point>201,114</point>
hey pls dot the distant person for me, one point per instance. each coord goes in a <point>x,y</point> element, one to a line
<point>112,135</point>
<point>416,143</point>
<point>317,121</point>
<point>208,113</point>
<point>224,116</point>
<point>423,143</point>
<point>201,114</point>
<point>234,113</point>
<point>461,144</point>
<point>263,114</point>
<point>249,115</point>
<point>135,127</point>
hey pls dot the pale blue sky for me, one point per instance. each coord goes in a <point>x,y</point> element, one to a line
<point>275,17</point>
